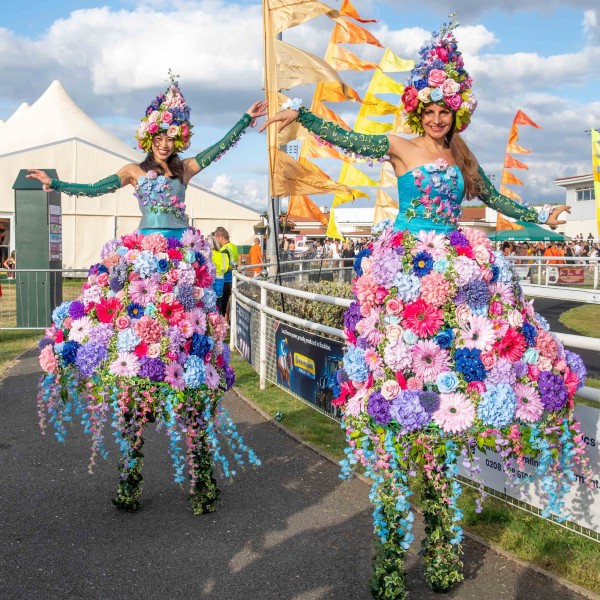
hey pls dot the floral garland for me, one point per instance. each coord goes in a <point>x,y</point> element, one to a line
<point>153,191</point>
<point>144,343</point>
<point>444,356</point>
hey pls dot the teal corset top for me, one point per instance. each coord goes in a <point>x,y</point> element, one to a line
<point>162,202</point>
<point>430,197</point>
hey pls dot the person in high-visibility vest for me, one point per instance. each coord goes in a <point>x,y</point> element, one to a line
<point>221,262</point>
<point>221,235</point>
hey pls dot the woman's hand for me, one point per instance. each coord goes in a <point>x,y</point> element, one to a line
<point>553,220</point>
<point>285,117</point>
<point>41,176</point>
<point>258,109</point>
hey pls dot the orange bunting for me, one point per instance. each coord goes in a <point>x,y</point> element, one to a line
<point>343,60</point>
<point>503,224</point>
<point>335,91</point>
<point>512,163</point>
<point>312,149</point>
<point>323,111</point>
<point>509,193</point>
<point>522,119</point>
<point>346,32</point>
<point>303,206</point>
<point>513,148</point>
<point>348,10</point>
<point>509,178</point>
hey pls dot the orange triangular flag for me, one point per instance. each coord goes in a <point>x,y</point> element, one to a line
<point>343,60</point>
<point>513,163</point>
<point>508,177</point>
<point>348,10</point>
<point>346,32</point>
<point>385,207</point>
<point>303,206</point>
<point>334,91</point>
<point>313,149</point>
<point>522,119</point>
<point>513,148</point>
<point>503,224</point>
<point>321,110</point>
<point>509,193</point>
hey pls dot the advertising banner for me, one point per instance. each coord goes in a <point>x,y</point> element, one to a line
<point>243,335</point>
<point>570,275</point>
<point>307,364</point>
<point>582,503</point>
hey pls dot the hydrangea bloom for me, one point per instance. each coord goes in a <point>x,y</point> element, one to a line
<point>497,406</point>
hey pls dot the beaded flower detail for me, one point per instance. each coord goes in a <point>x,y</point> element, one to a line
<point>439,200</point>
<point>154,192</point>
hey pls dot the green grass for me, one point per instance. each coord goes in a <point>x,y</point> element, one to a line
<point>13,344</point>
<point>585,320</point>
<point>530,538</point>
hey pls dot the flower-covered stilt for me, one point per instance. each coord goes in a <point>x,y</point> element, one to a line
<point>131,481</point>
<point>204,492</point>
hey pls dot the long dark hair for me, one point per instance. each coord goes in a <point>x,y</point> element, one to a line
<point>465,160</point>
<point>174,162</point>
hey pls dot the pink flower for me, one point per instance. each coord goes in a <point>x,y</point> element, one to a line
<point>126,364</point>
<point>193,239</point>
<point>153,351</point>
<point>512,345</point>
<point>174,375</point>
<point>48,360</point>
<point>380,295</point>
<point>397,356</point>
<point>152,128</point>
<point>143,291</point>
<point>197,319</point>
<point>476,386</point>
<point>394,306</point>
<point>393,333</point>
<point>166,287</point>
<point>369,328</point>
<point>409,98</point>
<point>80,329</point>
<point>504,291</point>
<point>496,308</point>
<point>435,289</point>
<point>450,87</point>
<point>432,242</point>
<point>428,360</point>
<point>414,384</point>
<point>463,314</point>
<point>546,344</point>
<point>454,102</point>
<point>167,117</point>
<point>436,78</point>
<point>122,322</point>
<point>155,242</point>
<point>102,279</point>
<point>477,332</point>
<point>365,290</point>
<point>534,372</point>
<point>149,330</point>
<point>372,359</point>
<point>110,260</point>
<point>488,359</point>
<point>455,413</point>
<point>172,276</point>
<point>219,325</point>
<point>423,318</point>
<point>173,131</point>
<point>529,405</point>
<point>390,389</point>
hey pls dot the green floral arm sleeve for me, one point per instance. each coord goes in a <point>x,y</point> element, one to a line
<point>104,186</point>
<point>230,139</point>
<point>494,199</point>
<point>375,146</point>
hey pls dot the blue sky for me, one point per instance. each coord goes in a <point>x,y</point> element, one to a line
<point>112,57</point>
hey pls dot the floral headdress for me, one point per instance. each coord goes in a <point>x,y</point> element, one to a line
<point>168,113</point>
<point>440,77</point>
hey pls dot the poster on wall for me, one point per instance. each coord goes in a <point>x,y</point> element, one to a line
<point>307,364</point>
<point>243,337</point>
<point>582,503</point>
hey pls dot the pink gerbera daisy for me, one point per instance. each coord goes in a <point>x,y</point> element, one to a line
<point>143,291</point>
<point>512,345</point>
<point>505,292</point>
<point>197,319</point>
<point>80,329</point>
<point>432,242</point>
<point>428,360</point>
<point>477,332</point>
<point>192,238</point>
<point>369,328</point>
<point>455,413</point>
<point>126,364</point>
<point>372,359</point>
<point>423,318</point>
<point>529,405</point>
<point>174,375</point>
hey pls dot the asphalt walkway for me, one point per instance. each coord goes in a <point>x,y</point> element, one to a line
<point>290,530</point>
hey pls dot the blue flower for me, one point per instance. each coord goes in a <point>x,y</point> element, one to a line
<point>408,286</point>
<point>151,311</point>
<point>89,356</point>
<point>69,352</point>
<point>469,364</point>
<point>476,293</point>
<point>443,338</point>
<point>60,313</point>
<point>409,337</point>
<point>447,382</point>
<point>163,265</point>
<point>127,340</point>
<point>201,344</point>
<point>422,263</point>
<point>358,260</point>
<point>530,333</point>
<point>146,263</point>
<point>355,365</point>
<point>441,265</point>
<point>436,94</point>
<point>498,405</point>
<point>194,372</point>
<point>135,311</point>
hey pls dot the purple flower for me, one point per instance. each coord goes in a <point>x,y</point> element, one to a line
<point>476,293</point>
<point>173,243</point>
<point>576,365</point>
<point>458,238</point>
<point>430,401</point>
<point>379,408</point>
<point>341,376</point>
<point>352,316</point>
<point>76,309</point>
<point>45,341</point>
<point>101,334</point>
<point>385,268</point>
<point>116,283</point>
<point>89,357</point>
<point>520,368</point>
<point>502,372</point>
<point>185,295</point>
<point>152,368</point>
<point>408,411</point>
<point>229,376</point>
<point>553,390</point>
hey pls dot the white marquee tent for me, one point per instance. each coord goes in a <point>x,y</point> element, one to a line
<point>54,133</point>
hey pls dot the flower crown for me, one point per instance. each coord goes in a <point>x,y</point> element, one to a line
<point>168,113</point>
<point>440,77</point>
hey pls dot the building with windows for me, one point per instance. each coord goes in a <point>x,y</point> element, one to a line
<point>581,198</point>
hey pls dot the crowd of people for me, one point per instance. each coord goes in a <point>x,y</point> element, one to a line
<point>575,248</point>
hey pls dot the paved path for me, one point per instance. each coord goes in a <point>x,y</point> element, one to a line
<point>290,530</point>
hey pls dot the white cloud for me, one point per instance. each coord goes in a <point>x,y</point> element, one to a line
<point>252,193</point>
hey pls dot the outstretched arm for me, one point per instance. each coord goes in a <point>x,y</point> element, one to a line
<point>204,158</point>
<point>494,199</point>
<point>375,146</point>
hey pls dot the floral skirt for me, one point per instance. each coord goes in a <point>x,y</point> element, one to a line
<point>143,342</point>
<point>444,356</point>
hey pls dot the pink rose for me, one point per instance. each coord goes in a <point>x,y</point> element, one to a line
<point>496,308</point>
<point>561,365</point>
<point>166,287</point>
<point>409,98</point>
<point>441,53</point>
<point>171,355</point>
<point>393,333</point>
<point>152,128</point>
<point>167,117</point>
<point>390,389</point>
<point>380,295</point>
<point>173,131</point>
<point>172,276</point>
<point>534,372</point>
<point>463,314</point>
<point>414,383</point>
<point>544,363</point>
<point>168,298</point>
<point>185,130</point>
<point>67,323</point>
<point>476,386</point>
<point>515,319</point>
<point>153,351</point>
<point>488,359</point>
<point>436,78</point>
<point>394,306</point>
<point>450,87</point>
<point>153,116</point>
<point>481,254</point>
<point>133,276</point>
<point>454,102</point>
<point>102,279</point>
<point>486,274</point>
<point>122,322</point>
<point>366,264</point>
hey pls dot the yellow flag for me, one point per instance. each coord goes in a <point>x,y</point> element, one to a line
<point>388,177</point>
<point>348,10</point>
<point>344,60</point>
<point>332,228</point>
<point>596,170</point>
<point>372,127</point>
<point>385,207</point>
<point>355,178</point>
<point>377,107</point>
<point>295,67</point>
<point>289,13</point>
<point>400,125</point>
<point>509,193</point>
<point>382,84</point>
<point>390,63</point>
<point>513,148</point>
<point>508,177</point>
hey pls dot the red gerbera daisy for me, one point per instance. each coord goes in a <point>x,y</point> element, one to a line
<point>203,278</point>
<point>172,312</point>
<point>107,309</point>
<point>174,253</point>
<point>423,318</point>
<point>512,345</point>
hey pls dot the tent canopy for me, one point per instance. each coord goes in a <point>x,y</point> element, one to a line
<point>529,232</point>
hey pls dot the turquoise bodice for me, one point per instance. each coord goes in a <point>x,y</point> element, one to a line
<point>162,202</point>
<point>430,197</point>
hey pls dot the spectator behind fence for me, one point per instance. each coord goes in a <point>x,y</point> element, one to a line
<point>256,256</point>
<point>554,250</point>
<point>10,264</point>
<point>230,249</point>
